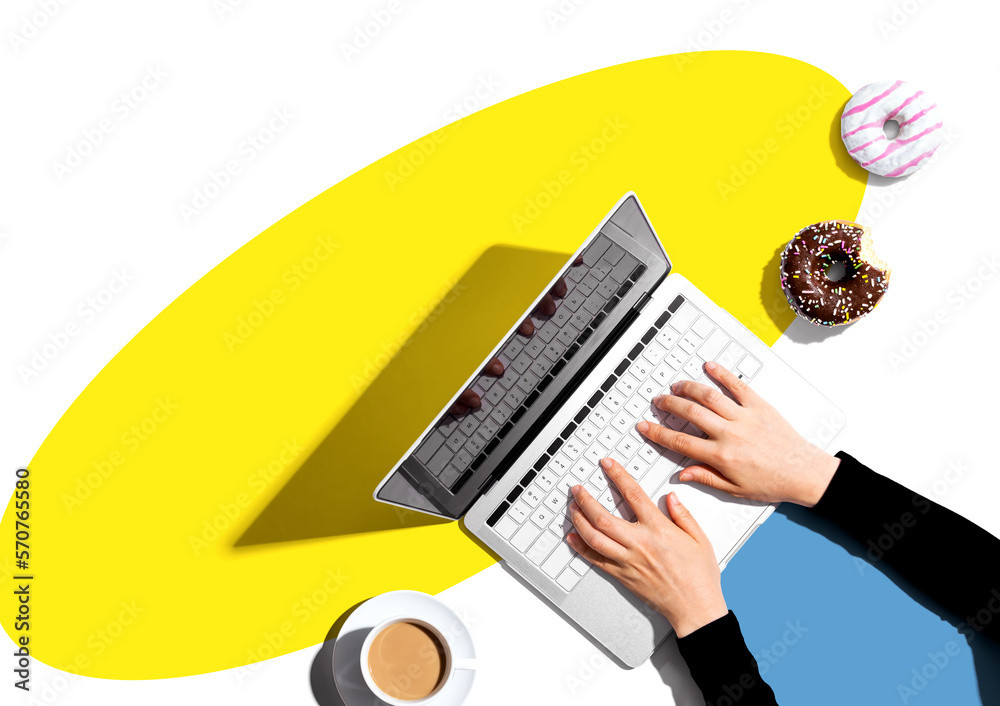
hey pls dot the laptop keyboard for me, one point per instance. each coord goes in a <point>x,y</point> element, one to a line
<point>533,515</point>
<point>460,444</point>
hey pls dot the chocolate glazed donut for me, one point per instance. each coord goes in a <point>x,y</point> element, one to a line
<point>806,260</point>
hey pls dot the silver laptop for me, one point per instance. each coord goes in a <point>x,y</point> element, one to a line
<point>623,328</point>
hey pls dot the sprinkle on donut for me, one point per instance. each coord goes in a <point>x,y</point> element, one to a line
<point>812,294</point>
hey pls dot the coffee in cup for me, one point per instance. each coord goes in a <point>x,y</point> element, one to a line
<point>407,660</point>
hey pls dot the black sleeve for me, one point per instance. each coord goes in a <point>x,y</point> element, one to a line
<point>722,666</point>
<point>952,560</point>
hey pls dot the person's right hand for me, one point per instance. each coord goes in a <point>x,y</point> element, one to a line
<point>751,451</point>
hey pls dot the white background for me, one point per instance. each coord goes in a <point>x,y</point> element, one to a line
<point>227,66</point>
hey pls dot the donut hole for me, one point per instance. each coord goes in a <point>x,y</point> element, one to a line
<point>890,129</point>
<point>836,271</point>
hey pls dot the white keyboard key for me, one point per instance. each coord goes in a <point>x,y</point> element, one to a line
<point>556,501</point>
<point>667,337</point>
<point>748,366</point>
<point>559,559</point>
<point>581,469</point>
<point>641,368</point>
<point>636,405</point>
<point>594,492</point>
<point>622,421</point>
<point>676,358</point>
<point>541,366</point>
<point>572,448</point>
<point>546,480</point>
<point>587,432</point>
<point>579,564</point>
<point>656,477</point>
<point>713,345</point>
<point>636,468</point>
<point>626,447</point>
<point>562,525</point>
<point>662,374</point>
<point>599,417</point>
<point>654,352</point>
<point>648,389</point>
<point>545,543</point>
<point>505,527</point>
<point>689,343</point>
<point>607,499</point>
<point>693,368</point>
<point>524,536</point>
<point>703,326</point>
<point>532,495</point>
<point>674,422</point>
<point>626,385</point>
<point>595,453</point>
<point>568,579</point>
<point>683,317</point>
<point>599,480</point>
<point>609,437</point>
<point>559,464</point>
<point>613,400</point>
<point>542,516</point>
<point>519,511</point>
<point>567,336</point>
<point>736,350</point>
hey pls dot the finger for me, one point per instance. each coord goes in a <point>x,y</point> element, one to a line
<point>594,536</point>
<point>707,396</point>
<point>494,367</point>
<point>641,504</point>
<point>684,444</point>
<point>707,475</point>
<point>683,518</point>
<point>559,288</point>
<point>466,401</point>
<point>590,554</point>
<point>546,307</point>
<point>734,383</point>
<point>688,410</point>
<point>527,327</point>
<point>615,527</point>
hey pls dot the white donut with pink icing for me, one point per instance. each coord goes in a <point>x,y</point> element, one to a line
<point>871,108</point>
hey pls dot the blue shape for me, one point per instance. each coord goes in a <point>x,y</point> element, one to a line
<point>827,627</point>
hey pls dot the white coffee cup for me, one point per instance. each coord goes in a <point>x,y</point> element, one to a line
<point>451,662</point>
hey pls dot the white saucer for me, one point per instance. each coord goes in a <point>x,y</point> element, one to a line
<point>411,604</point>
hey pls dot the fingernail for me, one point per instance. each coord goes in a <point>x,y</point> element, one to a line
<point>606,462</point>
<point>673,498</point>
<point>687,476</point>
<point>675,386</point>
<point>576,490</point>
<point>642,426</point>
<point>710,365</point>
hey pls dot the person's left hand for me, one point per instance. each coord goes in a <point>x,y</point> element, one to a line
<point>668,562</point>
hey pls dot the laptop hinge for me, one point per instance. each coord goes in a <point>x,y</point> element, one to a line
<point>641,303</point>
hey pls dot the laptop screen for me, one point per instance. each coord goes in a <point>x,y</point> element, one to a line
<point>491,418</point>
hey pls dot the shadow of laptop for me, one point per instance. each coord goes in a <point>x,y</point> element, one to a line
<point>330,494</point>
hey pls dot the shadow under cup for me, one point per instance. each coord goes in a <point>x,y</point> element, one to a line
<point>406,661</point>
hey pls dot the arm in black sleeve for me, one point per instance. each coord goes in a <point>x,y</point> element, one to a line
<point>722,666</point>
<point>952,560</point>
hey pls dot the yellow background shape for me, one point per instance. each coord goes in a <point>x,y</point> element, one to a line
<point>206,501</point>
